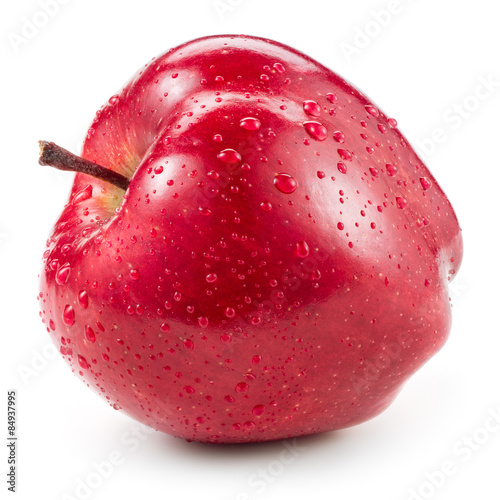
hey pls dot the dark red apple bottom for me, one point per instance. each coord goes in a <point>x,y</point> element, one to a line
<point>278,265</point>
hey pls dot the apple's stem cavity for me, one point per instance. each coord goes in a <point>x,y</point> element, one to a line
<point>54,156</point>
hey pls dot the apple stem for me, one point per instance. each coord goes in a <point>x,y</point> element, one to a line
<point>54,156</point>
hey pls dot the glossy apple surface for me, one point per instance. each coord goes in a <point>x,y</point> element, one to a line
<point>278,265</point>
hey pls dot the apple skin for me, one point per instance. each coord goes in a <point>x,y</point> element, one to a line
<point>226,300</point>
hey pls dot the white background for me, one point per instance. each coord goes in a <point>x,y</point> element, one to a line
<point>426,64</point>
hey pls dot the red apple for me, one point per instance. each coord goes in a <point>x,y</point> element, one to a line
<point>263,256</point>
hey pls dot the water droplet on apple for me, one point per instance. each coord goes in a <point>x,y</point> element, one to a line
<point>311,108</point>
<point>66,351</point>
<point>82,362</point>
<point>401,202</point>
<point>320,174</point>
<point>425,182</point>
<point>62,274</point>
<point>230,312</point>
<point>279,67</point>
<point>332,97</point>
<point>316,130</point>
<point>188,344</point>
<point>89,334</point>
<point>341,167</point>
<point>68,316</point>
<point>82,195</point>
<point>250,123</point>
<point>225,337</point>
<point>392,122</point>
<point>285,183</point>
<point>302,249</point>
<point>339,136</point>
<point>134,274</point>
<point>391,169</point>
<point>211,278</point>
<point>241,387</point>
<point>374,171</point>
<point>372,110</point>
<point>203,321</point>
<point>266,206</point>
<point>229,156</point>
<point>188,389</point>
<point>83,299</point>
<point>345,154</point>
<point>249,426</point>
<point>256,359</point>
<point>258,410</point>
